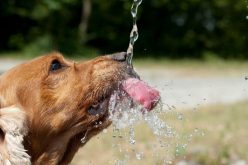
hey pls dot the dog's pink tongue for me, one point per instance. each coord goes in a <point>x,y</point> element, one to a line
<point>141,92</point>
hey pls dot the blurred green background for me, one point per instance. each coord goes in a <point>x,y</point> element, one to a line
<point>168,28</point>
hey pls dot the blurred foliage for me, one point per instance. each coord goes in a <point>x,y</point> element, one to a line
<point>168,28</point>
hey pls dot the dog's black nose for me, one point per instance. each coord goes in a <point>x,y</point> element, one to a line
<point>122,56</point>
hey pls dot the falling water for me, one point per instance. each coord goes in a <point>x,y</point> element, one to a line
<point>126,114</point>
<point>84,138</point>
<point>134,33</point>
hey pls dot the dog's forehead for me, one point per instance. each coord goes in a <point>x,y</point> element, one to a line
<point>47,58</point>
<point>33,68</point>
<point>41,62</point>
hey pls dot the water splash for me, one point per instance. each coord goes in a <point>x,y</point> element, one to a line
<point>125,114</point>
<point>131,135</point>
<point>159,127</point>
<point>134,35</point>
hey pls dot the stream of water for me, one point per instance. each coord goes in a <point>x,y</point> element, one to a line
<point>126,115</point>
<point>134,35</point>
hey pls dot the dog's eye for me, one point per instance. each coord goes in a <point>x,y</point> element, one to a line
<point>94,109</point>
<point>55,65</point>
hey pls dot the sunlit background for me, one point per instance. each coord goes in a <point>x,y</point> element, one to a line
<point>195,52</point>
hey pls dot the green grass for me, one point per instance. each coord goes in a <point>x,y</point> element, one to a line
<point>214,135</point>
<point>225,132</point>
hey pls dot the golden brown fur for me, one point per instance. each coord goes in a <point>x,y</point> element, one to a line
<point>56,103</point>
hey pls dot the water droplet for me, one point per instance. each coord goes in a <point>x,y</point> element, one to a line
<point>84,139</point>
<point>184,146</point>
<point>139,156</point>
<point>180,116</point>
<point>119,162</point>
<point>131,140</point>
<point>105,130</point>
<point>190,137</point>
<point>168,162</point>
<point>247,17</point>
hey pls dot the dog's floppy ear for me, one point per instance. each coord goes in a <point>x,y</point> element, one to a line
<point>13,128</point>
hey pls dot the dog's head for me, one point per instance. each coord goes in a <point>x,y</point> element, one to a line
<point>62,99</point>
<point>61,104</point>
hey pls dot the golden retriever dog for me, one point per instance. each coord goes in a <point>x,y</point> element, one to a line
<point>49,104</point>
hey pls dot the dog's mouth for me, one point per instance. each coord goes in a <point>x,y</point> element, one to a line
<point>131,90</point>
<point>120,101</point>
